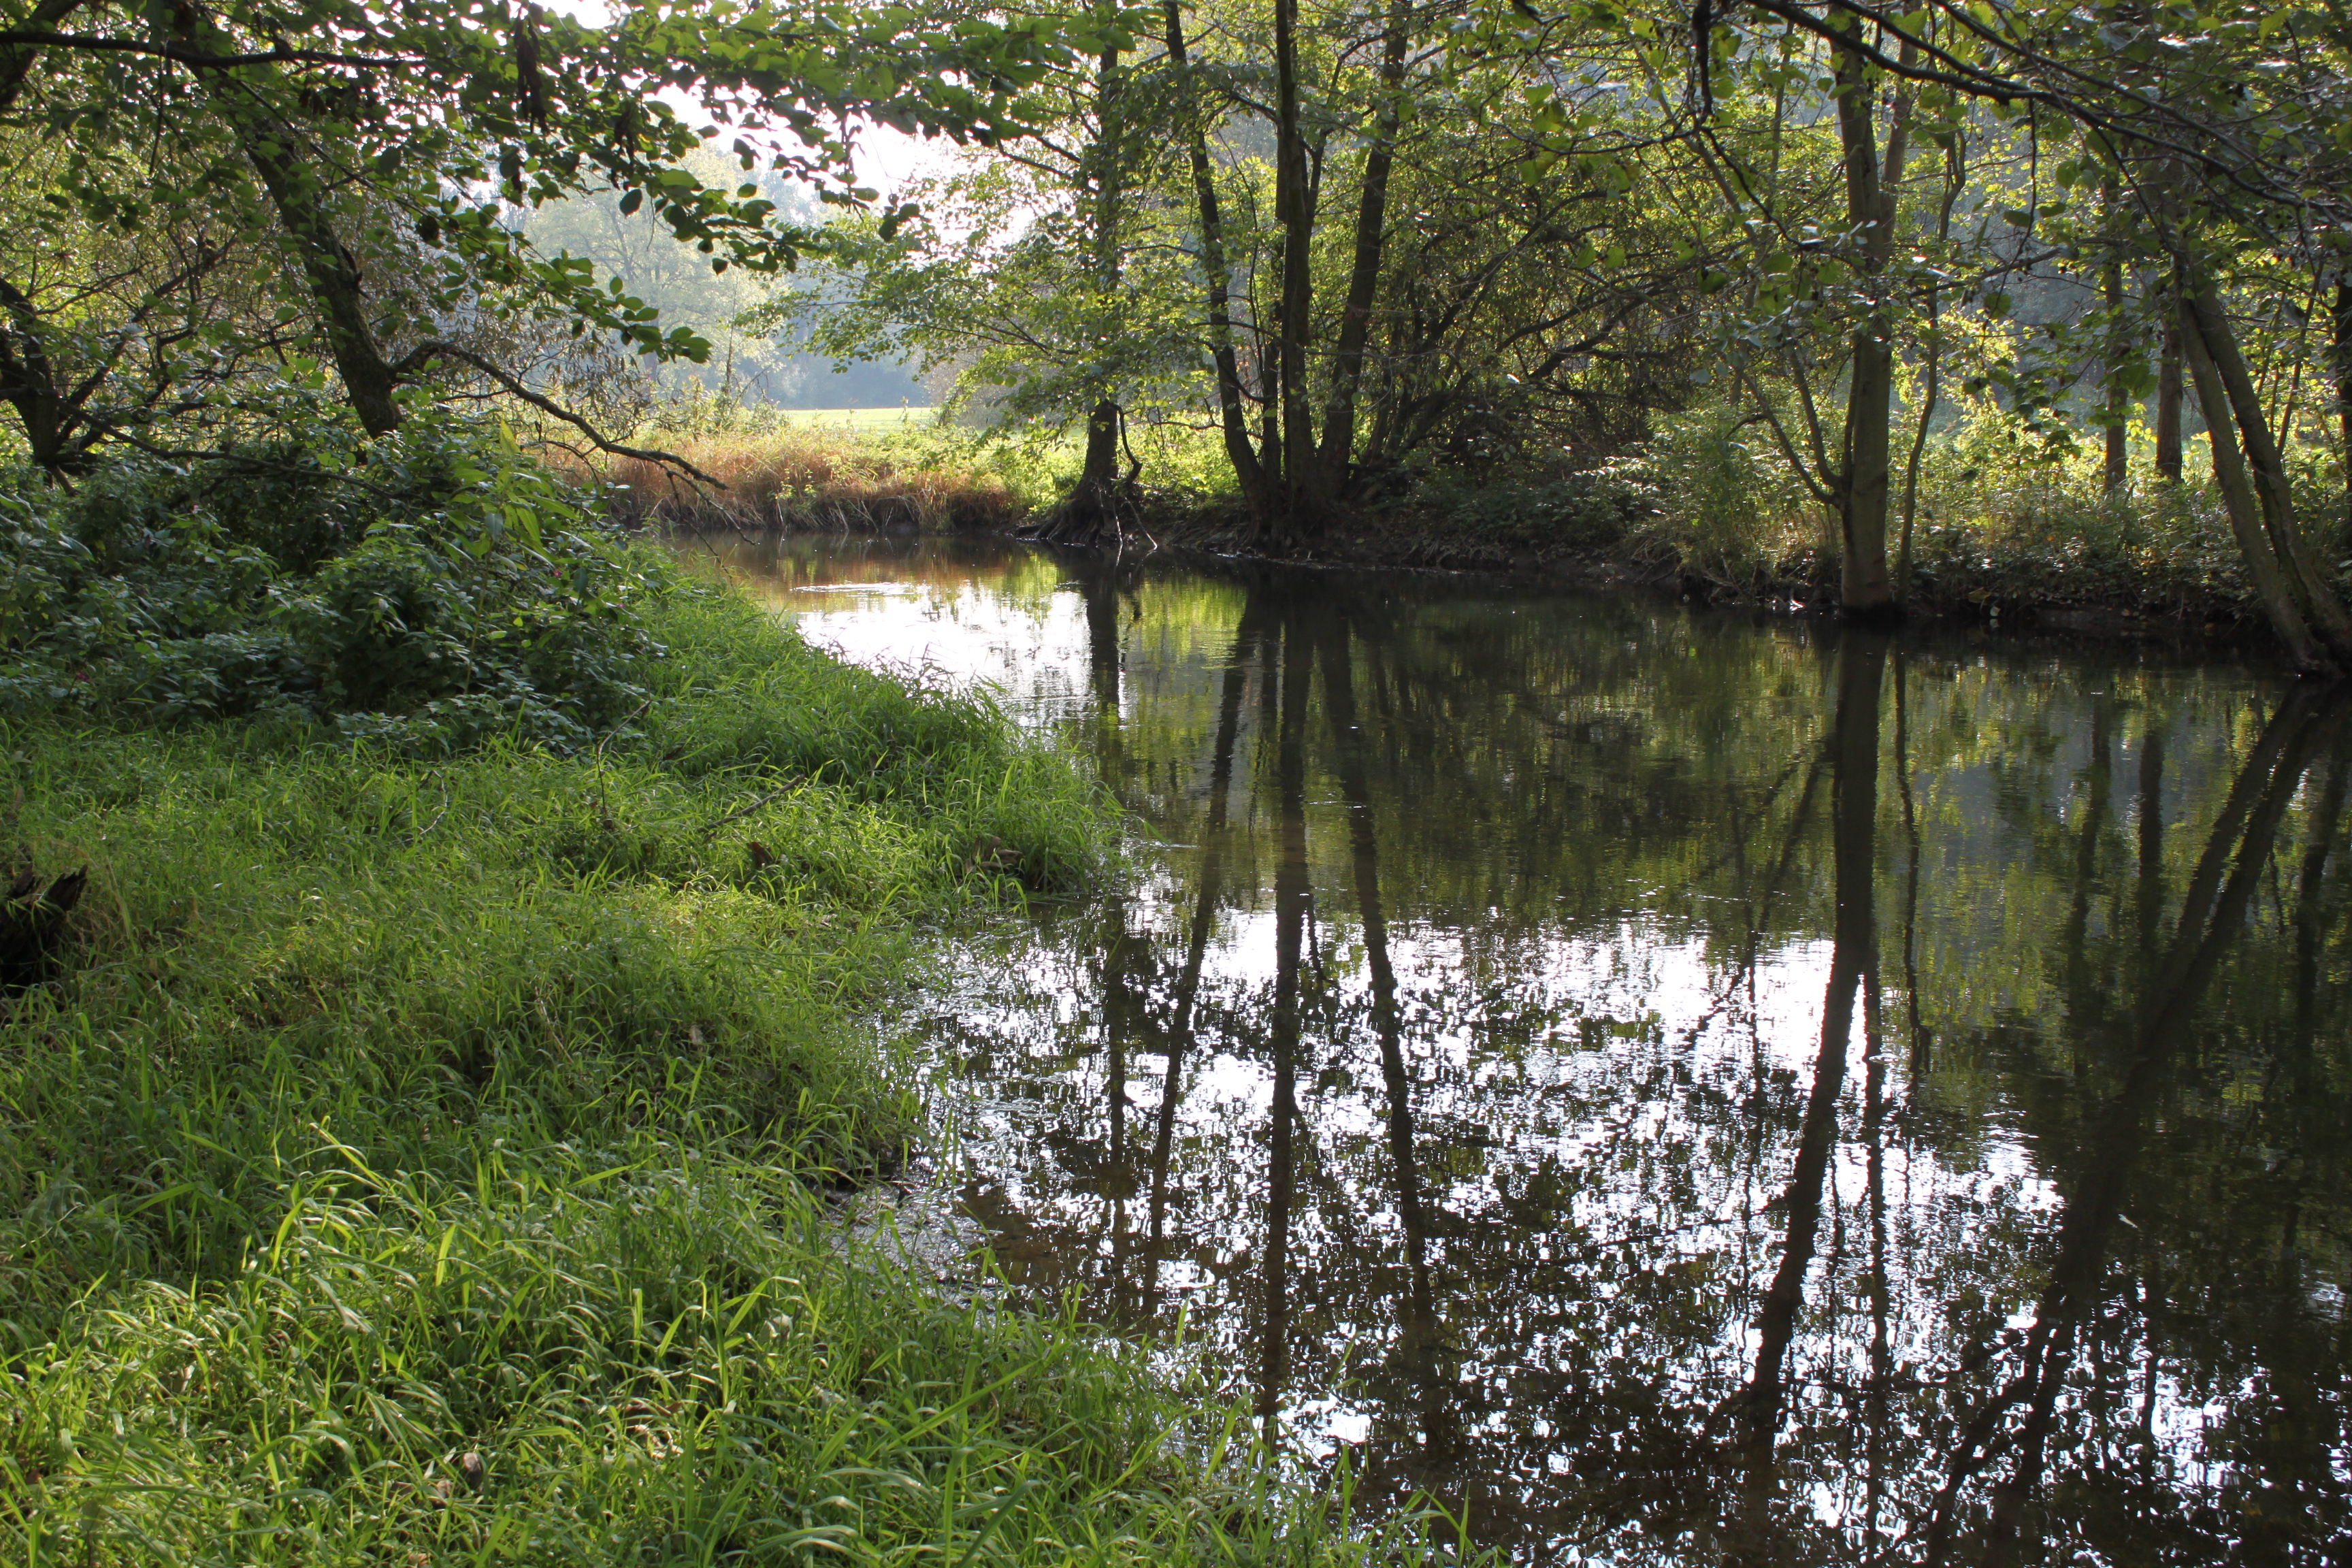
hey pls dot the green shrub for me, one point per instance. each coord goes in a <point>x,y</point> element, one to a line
<point>1727,507</point>
<point>442,591</point>
<point>1490,520</point>
<point>1587,509</point>
<point>2005,518</point>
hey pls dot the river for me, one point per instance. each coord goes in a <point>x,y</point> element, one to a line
<point>1672,1086</point>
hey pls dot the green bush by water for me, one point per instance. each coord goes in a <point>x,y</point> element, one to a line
<point>429,591</point>
<point>2002,518</point>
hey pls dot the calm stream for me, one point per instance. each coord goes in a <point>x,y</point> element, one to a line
<point>1675,1087</point>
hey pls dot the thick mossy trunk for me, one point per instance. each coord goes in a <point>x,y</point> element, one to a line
<point>1103,503</point>
<point>1866,589</point>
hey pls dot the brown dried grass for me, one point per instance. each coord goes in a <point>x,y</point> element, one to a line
<point>805,480</point>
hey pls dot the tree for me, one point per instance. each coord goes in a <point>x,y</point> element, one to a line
<point>104,333</point>
<point>2219,139</point>
<point>415,129</point>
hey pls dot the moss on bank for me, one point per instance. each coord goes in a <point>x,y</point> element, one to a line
<point>416,1160</point>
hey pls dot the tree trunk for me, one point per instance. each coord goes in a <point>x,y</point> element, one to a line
<point>1954,179</point>
<point>1096,502</point>
<point>1931,390</point>
<point>2168,389</point>
<point>2320,606</point>
<point>2244,511</point>
<point>2117,469</point>
<point>1099,475</point>
<point>1866,589</point>
<point>1294,212</point>
<point>298,197</point>
<point>1249,473</point>
<point>1099,479</point>
<point>1364,276</point>
<point>328,265</point>
<point>1269,386</point>
<point>2343,368</point>
<point>30,384</point>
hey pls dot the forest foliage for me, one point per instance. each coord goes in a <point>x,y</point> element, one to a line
<point>1359,249</point>
<point>284,351</point>
<point>1364,247</point>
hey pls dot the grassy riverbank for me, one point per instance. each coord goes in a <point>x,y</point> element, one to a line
<point>416,1152</point>
<point>839,480</point>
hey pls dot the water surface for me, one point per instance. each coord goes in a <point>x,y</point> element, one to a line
<point>1675,1087</point>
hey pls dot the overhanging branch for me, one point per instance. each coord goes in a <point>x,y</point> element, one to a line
<point>424,353</point>
<point>181,55</point>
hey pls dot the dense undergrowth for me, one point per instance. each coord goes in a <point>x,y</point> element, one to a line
<point>430,592</point>
<point>2001,521</point>
<point>415,1149</point>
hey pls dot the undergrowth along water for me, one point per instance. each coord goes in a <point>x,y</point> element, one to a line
<point>429,591</point>
<point>417,1159</point>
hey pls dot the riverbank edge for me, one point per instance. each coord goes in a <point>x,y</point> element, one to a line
<point>2200,624</point>
<point>417,1158</point>
<point>2208,624</point>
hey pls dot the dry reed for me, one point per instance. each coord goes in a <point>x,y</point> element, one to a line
<point>805,480</point>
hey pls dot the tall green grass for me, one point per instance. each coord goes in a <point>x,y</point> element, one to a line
<point>639,1355</point>
<point>422,1161</point>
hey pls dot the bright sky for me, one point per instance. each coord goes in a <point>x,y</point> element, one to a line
<point>882,158</point>
<point>886,159</point>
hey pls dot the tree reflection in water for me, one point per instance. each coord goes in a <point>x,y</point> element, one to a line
<point>1504,1060</point>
